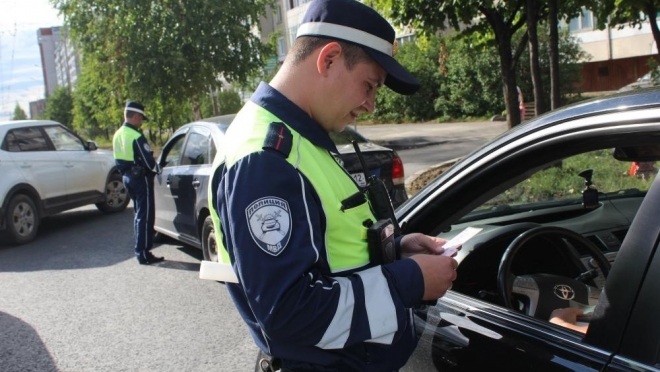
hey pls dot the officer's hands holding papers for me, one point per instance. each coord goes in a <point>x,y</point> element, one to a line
<point>439,271</point>
<point>435,258</point>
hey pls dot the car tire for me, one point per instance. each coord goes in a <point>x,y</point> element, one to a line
<point>22,217</point>
<point>116,195</point>
<point>209,246</point>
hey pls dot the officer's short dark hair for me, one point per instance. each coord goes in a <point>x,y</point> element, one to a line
<point>304,46</point>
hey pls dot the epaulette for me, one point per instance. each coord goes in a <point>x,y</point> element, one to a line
<point>279,138</point>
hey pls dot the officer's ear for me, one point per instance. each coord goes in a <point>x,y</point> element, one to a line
<point>328,58</point>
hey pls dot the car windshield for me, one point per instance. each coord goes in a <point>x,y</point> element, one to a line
<point>561,184</point>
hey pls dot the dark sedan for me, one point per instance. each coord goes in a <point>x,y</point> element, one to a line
<point>566,209</point>
<point>181,190</point>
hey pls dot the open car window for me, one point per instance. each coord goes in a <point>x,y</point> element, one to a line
<point>561,183</point>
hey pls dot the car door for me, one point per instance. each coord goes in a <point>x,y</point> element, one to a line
<point>460,333</point>
<point>83,170</point>
<point>31,152</point>
<point>165,191</point>
<point>192,177</point>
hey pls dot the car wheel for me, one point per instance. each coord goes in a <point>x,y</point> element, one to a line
<point>116,195</point>
<point>209,246</point>
<point>22,219</point>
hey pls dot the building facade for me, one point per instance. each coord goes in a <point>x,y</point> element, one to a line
<point>67,61</point>
<point>37,108</point>
<point>619,56</point>
<point>48,38</point>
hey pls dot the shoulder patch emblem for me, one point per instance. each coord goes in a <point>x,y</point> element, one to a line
<point>146,147</point>
<point>269,222</point>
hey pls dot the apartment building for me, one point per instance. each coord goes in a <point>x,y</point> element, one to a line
<point>48,38</point>
<point>618,56</point>
<point>67,61</point>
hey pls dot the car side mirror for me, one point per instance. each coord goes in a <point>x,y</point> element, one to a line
<point>91,146</point>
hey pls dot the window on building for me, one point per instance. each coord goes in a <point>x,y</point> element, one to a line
<point>281,47</point>
<point>584,21</point>
<point>405,39</point>
<point>278,16</point>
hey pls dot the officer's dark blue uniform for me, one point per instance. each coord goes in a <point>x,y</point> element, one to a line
<point>136,163</point>
<point>306,288</point>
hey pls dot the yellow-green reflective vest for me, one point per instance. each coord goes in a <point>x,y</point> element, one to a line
<point>122,143</point>
<point>345,235</point>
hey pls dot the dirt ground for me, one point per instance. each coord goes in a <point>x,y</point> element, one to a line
<point>422,179</point>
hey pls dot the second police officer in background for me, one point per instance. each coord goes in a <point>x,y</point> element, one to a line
<point>135,161</point>
<point>307,289</point>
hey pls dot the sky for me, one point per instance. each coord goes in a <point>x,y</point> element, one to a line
<point>21,76</point>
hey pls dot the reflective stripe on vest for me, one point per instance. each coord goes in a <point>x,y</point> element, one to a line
<point>122,143</point>
<point>345,235</point>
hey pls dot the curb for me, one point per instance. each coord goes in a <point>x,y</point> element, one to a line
<point>425,173</point>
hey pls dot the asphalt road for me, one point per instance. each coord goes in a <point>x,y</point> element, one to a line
<point>75,299</point>
<point>421,146</point>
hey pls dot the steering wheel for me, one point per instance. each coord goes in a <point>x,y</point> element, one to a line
<point>546,292</point>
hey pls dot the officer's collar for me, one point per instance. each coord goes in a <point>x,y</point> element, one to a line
<point>132,127</point>
<point>277,104</point>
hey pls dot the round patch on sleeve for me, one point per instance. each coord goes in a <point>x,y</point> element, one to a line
<point>269,221</point>
<point>146,147</point>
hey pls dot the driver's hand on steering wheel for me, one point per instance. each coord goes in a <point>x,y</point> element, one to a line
<point>567,317</point>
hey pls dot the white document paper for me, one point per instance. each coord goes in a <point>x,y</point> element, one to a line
<point>452,245</point>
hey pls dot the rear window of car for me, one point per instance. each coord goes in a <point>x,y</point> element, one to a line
<point>347,136</point>
<point>25,139</point>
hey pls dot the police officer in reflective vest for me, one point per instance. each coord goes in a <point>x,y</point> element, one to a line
<point>136,163</point>
<point>307,288</point>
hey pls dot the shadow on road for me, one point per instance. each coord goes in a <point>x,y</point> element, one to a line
<point>21,349</point>
<point>81,238</point>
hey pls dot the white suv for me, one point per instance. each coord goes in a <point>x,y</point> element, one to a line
<point>46,169</point>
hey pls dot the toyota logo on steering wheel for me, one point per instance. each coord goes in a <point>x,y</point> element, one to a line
<point>564,292</point>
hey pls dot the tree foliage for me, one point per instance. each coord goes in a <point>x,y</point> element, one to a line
<point>165,54</point>
<point>421,59</point>
<point>454,67</point>
<point>171,48</point>
<point>59,106</point>
<point>500,18</point>
<point>228,101</point>
<point>19,113</point>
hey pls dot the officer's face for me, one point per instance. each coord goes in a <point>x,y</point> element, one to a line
<point>135,120</point>
<point>354,94</point>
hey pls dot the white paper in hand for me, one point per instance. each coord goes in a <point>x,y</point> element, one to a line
<point>452,245</point>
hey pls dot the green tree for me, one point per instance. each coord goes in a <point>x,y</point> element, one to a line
<point>421,59</point>
<point>170,49</point>
<point>570,61</point>
<point>19,113</point>
<point>470,67</point>
<point>59,106</point>
<point>228,101</point>
<point>501,18</point>
<point>98,99</point>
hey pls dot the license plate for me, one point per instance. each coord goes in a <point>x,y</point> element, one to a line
<point>359,179</point>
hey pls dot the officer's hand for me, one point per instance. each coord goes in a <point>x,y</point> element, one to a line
<point>416,243</point>
<point>158,169</point>
<point>439,273</point>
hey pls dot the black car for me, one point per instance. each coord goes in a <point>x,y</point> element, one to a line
<point>181,190</point>
<point>568,206</point>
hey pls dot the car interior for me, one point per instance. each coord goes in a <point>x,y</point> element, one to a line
<point>548,239</point>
